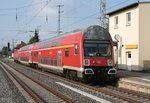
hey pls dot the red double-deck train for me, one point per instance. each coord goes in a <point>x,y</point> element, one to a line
<point>85,54</point>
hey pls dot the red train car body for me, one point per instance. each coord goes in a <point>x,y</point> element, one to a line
<point>83,54</point>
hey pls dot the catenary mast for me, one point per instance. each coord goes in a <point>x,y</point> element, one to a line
<point>103,13</point>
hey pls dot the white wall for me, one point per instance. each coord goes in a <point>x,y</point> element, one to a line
<point>144,32</point>
<point>129,34</point>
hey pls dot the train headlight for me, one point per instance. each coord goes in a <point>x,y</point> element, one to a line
<point>86,62</point>
<point>109,62</point>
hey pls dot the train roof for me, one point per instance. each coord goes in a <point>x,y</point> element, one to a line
<point>94,32</point>
<point>103,34</point>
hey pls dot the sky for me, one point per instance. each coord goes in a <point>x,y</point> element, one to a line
<point>19,18</point>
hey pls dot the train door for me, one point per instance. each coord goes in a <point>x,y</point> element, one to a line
<point>59,61</point>
<point>30,56</point>
<point>39,57</point>
<point>35,57</point>
<point>128,60</point>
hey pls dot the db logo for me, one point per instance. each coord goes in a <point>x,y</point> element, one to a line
<point>98,62</point>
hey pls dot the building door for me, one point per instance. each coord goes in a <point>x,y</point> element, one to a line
<point>128,62</point>
<point>59,61</point>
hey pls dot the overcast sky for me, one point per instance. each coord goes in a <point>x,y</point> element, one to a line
<point>19,17</point>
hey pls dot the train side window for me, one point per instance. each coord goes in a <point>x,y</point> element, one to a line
<point>75,49</point>
<point>40,60</point>
<point>55,61</point>
<point>49,60</point>
<point>66,52</point>
<point>45,60</point>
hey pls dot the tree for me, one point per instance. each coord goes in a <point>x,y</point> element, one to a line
<point>35,38</point>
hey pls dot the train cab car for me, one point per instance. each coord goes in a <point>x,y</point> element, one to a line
<point>98,54</point>
<point>85,54</point>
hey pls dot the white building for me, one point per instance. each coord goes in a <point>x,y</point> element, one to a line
<point>132,24</point>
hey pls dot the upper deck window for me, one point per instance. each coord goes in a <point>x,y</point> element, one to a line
<point>75,49</point>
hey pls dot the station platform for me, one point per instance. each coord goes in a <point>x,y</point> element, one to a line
<point>137,81</point>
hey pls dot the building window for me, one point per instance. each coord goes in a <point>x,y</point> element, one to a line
<point>128,19</point>
<point>116,22</point>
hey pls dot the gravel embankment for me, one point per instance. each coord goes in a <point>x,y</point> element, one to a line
<point>53,83</point>
<point>8,91</point>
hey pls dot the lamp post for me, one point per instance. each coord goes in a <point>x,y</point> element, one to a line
<point>117,38</point>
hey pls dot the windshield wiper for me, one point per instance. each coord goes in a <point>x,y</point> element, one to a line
<point>91,54</point>
<point>98,54</point>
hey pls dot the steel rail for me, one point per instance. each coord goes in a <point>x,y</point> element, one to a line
<point>129,100</point>
<point>60,95</point>
<point>34,96</point>
<point>146,96</point>
<point>101,90</point>
<point>106,92</point>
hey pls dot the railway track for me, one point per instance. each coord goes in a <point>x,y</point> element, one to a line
<point>124,83</point>
<point>120,93</point>
<point>138,94</point>
<point>109,93</point>
<point>36,97</point>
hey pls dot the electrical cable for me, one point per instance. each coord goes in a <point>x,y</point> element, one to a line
<point>24,6</point>
<point>36,14</point>
<point>85,18</point>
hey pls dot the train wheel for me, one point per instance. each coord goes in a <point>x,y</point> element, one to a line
<point>74,76</point>
<point>71,75</point>
<point>83,80</point>
<point>67,74</point>
<point>36,66</point>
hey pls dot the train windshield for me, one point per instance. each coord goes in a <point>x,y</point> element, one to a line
<point>97,50</point>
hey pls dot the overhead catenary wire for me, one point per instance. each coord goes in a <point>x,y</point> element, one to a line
<point>32,18</point>
<point>79,6</point>
<point>78,21</point>
<point>30,5</point>
<point>75,8</point>
<point>75,22</point>
<point>87,17</point>
<point>118,4</point>
<point>36,14</point>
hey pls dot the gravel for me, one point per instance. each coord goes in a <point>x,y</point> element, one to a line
<point>76,96</point>
<point>8,91</point>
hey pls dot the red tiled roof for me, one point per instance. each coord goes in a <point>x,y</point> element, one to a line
<point>20,45</point>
